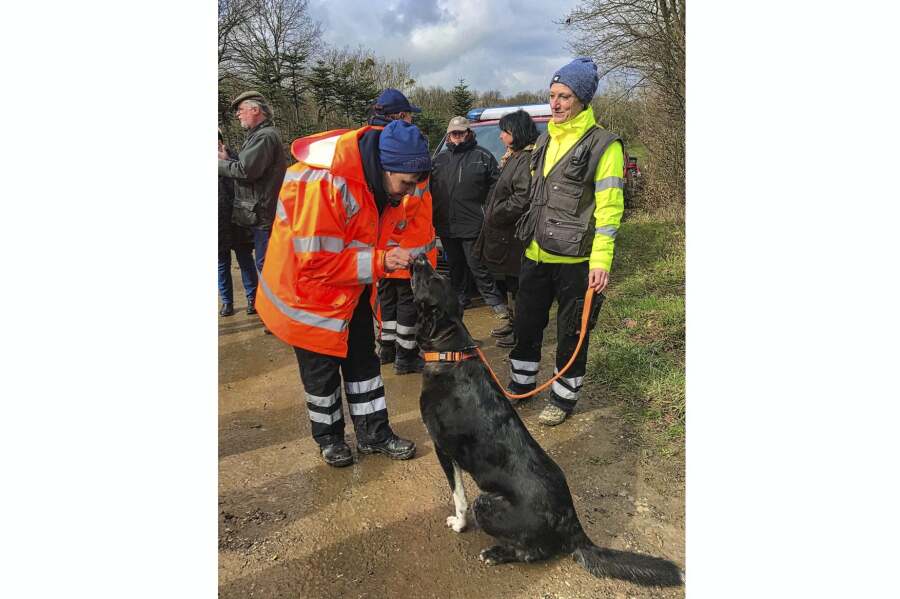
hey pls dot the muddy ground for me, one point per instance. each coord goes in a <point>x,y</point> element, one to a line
<point>290,526</point>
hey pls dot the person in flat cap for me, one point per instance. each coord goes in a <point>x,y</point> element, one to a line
<point>257,171</point>
<point>463,175</point>
<point>397,331</point>
<point>569,233</point>
<point>329,247</point>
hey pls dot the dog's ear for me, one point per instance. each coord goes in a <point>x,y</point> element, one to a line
<point>428,322</point>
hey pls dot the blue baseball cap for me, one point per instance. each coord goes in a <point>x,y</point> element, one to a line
<point>392,101</point>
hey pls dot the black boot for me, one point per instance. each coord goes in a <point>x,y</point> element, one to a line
<point>409,366</point>
<point>227,310</point>
<point>506,323</point>
<point>337,454</point>
<point>388,352</point>
<point>393,447</point>
<point>508,341</point>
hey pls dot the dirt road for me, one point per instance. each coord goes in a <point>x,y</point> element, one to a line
<point>290,526</point>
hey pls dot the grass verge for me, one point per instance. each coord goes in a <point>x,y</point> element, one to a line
<point>637,348</point>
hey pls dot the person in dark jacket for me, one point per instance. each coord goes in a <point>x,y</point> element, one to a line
<point>237,238</point>
<point>258,170</point>
<point>398,313</point>
<point>497,246</point>
<point>461,179</point>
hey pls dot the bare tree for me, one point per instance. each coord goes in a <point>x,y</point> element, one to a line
<point>232,13</point>
<point>268,43</point>
<point>642,44</point>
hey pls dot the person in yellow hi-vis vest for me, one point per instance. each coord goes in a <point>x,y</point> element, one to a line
<point>569,233</point>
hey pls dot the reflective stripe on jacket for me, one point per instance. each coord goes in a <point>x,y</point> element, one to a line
<point>327,244</point>
<point>415,231</point>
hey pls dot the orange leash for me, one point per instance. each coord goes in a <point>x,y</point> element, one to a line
<point>585,316</point>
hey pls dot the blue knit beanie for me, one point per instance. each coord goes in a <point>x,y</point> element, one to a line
<point>403,148</point>
<point>581,76</point>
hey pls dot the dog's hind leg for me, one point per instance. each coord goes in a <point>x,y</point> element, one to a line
<point>454,476</point>
<point>514,527</point>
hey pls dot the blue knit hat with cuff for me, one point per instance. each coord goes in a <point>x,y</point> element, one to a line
<point>580,76</point>
<point>403,148</point>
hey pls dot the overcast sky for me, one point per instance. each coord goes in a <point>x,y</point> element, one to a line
<point>507,45</point>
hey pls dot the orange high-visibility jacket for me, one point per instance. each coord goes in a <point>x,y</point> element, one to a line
<point>415,231</point>
<point>327,244</point>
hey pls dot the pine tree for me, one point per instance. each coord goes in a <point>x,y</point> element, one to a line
<point>462,99</point>
<point>320,82</point>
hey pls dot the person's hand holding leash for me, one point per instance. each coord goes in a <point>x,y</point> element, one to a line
<point>598,279</point>
<point>396,258</point>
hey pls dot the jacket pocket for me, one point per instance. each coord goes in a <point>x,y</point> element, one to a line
<point>495,245</point>
<point>576,167</point>
<point>563,237</point>
<point>565,195</point>
<point>244,214</point>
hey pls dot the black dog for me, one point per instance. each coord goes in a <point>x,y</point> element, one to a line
<point>525,502</point>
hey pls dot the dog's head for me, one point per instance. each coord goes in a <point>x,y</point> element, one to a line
<point>440,326</point>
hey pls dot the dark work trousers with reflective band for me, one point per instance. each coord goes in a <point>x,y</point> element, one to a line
<point>398,318</point>
<point>361,370</point>
<point>539,285</point>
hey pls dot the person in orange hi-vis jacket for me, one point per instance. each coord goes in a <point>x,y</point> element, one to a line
<point>397,332</point>
<point>336,211</point>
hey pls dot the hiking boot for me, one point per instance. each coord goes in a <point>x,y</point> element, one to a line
<point>505,327</point>
<point>403,367</point>
<point>337,454</point>
<point>251,309</point>
<point>508,341</point>
<point>393,447</point>
<point>388,353</point>
<point>552,415</point>
<point>227,310</point>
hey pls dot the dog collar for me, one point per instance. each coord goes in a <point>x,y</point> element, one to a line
<point>449,356</point>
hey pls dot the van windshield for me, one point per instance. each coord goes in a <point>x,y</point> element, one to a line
<point>488,137</point>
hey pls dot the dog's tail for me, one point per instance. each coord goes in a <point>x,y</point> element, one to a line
<point>635,567</point>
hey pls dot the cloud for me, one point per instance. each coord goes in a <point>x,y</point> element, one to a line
<point>510,45</point>
<point>403,14</point>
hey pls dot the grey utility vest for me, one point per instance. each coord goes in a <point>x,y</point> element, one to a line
<point>561,215</point>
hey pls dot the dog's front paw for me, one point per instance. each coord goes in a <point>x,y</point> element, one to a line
<point>457,524</point>
<point>496,555</point>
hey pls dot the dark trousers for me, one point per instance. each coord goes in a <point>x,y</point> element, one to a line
<point>361,371</point>
<point>539,285</point>
<point>248,274</point>
<point>508,286</point>
<point>260,244</point>
<point>461,260</point>
<point>398,317</point>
